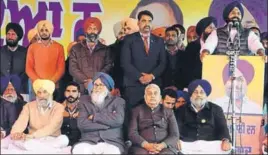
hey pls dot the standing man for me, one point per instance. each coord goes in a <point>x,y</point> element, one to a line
<point>13,56</point>
<point>143,59</point>
<point>216,43</point>
<point>89,56</point>
<point>193,70</point>
<point>172,74</point>
<point>45,58</point>
<point>69,126</point>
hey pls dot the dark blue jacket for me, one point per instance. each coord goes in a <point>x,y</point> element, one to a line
<point>135,61</point>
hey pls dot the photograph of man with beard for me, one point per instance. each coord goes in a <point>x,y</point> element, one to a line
<point>216,43</point>
<point>100,119</point>
<point>69,126</point>
<point>13,55</point>
<point>89,56</point>
<point>245,74</point>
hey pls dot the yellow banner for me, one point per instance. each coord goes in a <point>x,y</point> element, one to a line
<point>248,96</point>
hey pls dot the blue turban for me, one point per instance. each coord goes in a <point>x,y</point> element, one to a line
<point>106,79</point>
<point>15,81</point>
<point>204,23</point>
<point>78,33</point>
<point>184,95</point>
<point>230,7</point>
<point>203,83</point>
<point>264,36</point>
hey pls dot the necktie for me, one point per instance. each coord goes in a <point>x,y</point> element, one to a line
<point>145,41</point>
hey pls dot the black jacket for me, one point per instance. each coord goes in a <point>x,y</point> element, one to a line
<point>8,115</point>
<point>208,124</point>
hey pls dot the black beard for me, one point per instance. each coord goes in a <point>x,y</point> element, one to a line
<point>71,101</point>
<point>12,43</point>
<point>92,37</point>
<point>47,38</point>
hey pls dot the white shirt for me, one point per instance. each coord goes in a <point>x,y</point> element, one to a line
<point>211,43</point>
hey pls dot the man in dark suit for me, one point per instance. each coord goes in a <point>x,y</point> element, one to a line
<point>153,128</point>
<point>143,59</point>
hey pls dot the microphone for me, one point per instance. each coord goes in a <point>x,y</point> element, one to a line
<point>230,25</point>
<point>236,24</point>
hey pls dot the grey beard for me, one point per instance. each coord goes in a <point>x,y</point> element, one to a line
<point>10,98</point>
<point>198,104</point>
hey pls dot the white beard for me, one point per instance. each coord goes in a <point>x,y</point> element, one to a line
<point>44,103</point>
<point>98,97</point>
<point>198,103</point>
<point>10,98</point>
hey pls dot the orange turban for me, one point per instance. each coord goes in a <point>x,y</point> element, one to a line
<point>92,20</point>
<point>160,32</point>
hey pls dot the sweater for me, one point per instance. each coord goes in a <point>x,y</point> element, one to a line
<point>40,124</point>
<point>45,62</point>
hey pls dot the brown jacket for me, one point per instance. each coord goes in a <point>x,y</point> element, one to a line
<point>83,65</point>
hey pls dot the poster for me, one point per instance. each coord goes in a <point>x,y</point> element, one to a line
<point>248,98</point>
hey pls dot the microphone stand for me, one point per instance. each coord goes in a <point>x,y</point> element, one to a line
<point>233,53</point>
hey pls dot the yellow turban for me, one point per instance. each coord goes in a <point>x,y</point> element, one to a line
<point>47,85</point>
<point>47,24</point>
<point>31,34</point>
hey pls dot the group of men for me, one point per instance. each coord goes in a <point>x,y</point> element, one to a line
<point>92,117</point>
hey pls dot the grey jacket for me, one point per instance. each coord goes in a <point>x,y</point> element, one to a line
<point>107,122</point>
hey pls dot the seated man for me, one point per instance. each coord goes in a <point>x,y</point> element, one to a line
<point>7,117</point>
<point>202,120</point>
<point>153,128</point>
<point>100,119</point>
<point>169,98</point>
<point>44,117</point>
<point>69,126</point>
<point>10,91</point>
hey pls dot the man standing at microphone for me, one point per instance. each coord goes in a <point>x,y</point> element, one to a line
<point>216,43</point>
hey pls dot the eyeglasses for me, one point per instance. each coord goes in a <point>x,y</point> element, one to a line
<point>98,85</point>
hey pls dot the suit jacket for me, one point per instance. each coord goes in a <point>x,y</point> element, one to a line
<point>208,124</point>
<point>107,122</point>
<point>154,126</point>
<point>8,115</point>
<point>134,59</point>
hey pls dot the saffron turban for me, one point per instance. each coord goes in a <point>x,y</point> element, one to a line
<point>31,34</point>
<point>160,32</point>
<point>47,85</point>
<point>92,20</point>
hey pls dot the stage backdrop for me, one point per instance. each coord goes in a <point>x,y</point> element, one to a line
<point>67,15</point>
<point>249,96</point>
